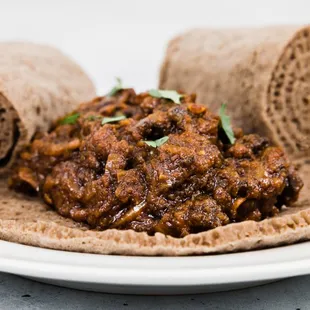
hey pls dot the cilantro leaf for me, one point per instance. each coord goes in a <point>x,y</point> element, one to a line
<point>71,119</point>
<point>226,125</point>
<point>158,142</point>
<point>116,88</point>
<point>106,120</point>
<point>167,94</point>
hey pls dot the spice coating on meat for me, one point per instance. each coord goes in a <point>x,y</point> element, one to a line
<point>107,176</point>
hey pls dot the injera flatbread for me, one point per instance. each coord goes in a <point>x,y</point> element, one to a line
<point>37,85</point>
<point>263,74</point>
<point>29,221</point>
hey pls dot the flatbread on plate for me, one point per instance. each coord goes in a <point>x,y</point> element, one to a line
<point>29,221</point>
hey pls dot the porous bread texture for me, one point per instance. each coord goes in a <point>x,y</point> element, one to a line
<point>37,85</point>
<point>29,221</point>
<point>263,74</point>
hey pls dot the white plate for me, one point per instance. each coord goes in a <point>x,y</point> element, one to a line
<point>155,275</point>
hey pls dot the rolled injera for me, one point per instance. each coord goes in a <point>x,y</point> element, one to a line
<point>37,85</point>
<point>263,74</point>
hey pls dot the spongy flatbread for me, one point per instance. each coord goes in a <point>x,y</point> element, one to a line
<point>37,85</point>
<point>28,221</point>
<point>263,74</point>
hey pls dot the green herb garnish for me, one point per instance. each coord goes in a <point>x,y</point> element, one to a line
<point>93,117</point>
<point>167,94</point>
<point>226,125</point>
<point>106,120</point>
<point>71,119</point>
<point>116,88</point>
<point>158,142</point>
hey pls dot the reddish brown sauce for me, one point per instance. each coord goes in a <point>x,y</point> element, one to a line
<point>108,177</point>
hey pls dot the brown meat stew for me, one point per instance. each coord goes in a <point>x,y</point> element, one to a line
<point>107,176</point>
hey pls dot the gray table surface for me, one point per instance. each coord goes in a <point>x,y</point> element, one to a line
<point>20,293</point>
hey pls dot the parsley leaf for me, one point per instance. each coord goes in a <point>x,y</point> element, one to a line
<point>71,119</point>
<point>226,125</point>
<point>158,142</point>
<point>116,88</point>
<point>106,120</point>
<point>167,94</point>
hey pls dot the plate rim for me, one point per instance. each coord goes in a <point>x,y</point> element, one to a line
<point>109,274</point>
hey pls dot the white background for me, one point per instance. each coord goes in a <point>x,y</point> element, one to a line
<point>128,38</point>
